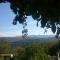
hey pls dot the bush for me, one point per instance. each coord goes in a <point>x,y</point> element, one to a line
<point>33,52</point>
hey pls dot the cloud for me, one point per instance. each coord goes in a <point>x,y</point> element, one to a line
<point>9,34</point>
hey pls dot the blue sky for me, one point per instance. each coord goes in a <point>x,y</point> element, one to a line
<point>8,29</point>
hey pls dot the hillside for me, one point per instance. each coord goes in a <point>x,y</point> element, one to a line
<point>33,39</point>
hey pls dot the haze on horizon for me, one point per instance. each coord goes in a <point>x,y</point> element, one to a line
<point>8,29</point>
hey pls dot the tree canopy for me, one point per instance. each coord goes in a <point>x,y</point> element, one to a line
<point>33,52</point>
<point>45,11</point>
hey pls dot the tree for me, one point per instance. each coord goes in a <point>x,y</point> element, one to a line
<point>33,52</point>
<point>54,49</point>
<point>45,11</point>
<point>20,53</point>
<point>4,47</point>
<point>36,52</point>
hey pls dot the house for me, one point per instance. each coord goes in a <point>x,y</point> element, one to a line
<point>6,56</point>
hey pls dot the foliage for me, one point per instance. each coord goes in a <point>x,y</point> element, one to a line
<point>20,52</point>
<point>33,52</point>
<point>4,47</point>
<point>54,49</point>
<point>41,10</point>
<point>36,53</point>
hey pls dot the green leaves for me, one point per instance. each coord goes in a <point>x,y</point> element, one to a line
<point>33,52</point>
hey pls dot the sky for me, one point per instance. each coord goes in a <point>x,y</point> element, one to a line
<point>7,29</point>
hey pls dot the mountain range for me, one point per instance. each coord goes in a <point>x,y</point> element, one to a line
<point>32,39</point>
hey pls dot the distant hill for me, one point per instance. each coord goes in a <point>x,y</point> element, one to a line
<point>32,39</point>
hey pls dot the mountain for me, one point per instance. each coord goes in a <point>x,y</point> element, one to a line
<point>32,39</point>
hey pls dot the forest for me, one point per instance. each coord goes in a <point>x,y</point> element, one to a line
<point>47,51</point>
